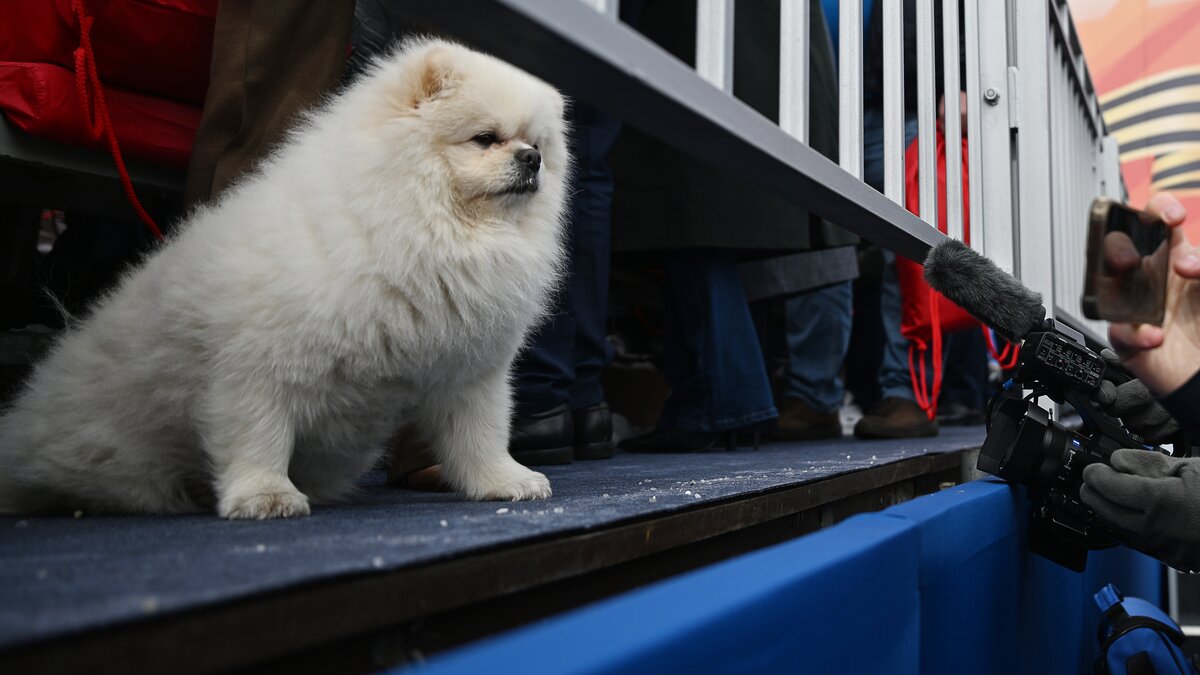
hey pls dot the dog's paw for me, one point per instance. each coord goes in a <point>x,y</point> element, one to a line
<point>280,504</point>
<point>517,484</point>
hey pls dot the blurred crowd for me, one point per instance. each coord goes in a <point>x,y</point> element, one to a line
<point>655,344</point>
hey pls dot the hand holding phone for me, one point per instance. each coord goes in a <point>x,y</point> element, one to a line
<point>1165,357</point>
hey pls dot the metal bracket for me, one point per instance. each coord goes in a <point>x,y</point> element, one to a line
<point>1014,118</point>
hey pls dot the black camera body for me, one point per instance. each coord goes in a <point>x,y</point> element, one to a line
<point>1025,446</point>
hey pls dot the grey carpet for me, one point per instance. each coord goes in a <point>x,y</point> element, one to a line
<point>61,575</point>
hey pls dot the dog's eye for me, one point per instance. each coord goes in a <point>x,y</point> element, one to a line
<point>536,147</point>
<point>486,139</point>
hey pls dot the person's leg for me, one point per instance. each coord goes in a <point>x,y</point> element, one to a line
<point>964,385</point>
<point>591,225</point>
<point>558,375</point>
<point>729,378</point>
<point>897,414</point>
<point>895,381</point>
<point>818,334</point>
<point>542,429</point>
<point>712,357</point>
<point>595,134</point>
<point>869,333</point>
<point>271,60</point>
<point>866,334</point>
<point>546,368</point>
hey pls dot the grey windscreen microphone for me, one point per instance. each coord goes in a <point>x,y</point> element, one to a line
<point>987,292</point>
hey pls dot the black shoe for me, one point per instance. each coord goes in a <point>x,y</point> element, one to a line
<point>543,438</point>
<point>593,432</point>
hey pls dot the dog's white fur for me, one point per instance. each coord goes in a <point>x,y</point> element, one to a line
<point>369,273</point>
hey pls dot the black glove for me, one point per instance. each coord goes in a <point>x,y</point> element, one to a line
<point>1133,403</point>
<point>1153,499</point>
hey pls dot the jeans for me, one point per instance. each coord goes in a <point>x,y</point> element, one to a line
<point>818,322</point>
<point>711,352</point>
<point>818,333</point>
<point>564,358</point>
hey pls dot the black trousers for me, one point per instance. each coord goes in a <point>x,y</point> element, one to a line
<point>563,361</point>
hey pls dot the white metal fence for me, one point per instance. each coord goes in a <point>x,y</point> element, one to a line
<point>1064,156</point>
<point>1084,160</point>
<point>1038,147</point>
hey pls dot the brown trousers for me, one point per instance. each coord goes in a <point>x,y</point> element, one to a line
<point>273,59</point>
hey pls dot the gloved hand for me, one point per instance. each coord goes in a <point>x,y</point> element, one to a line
<point>1135,405</point>
<point>1153,499</point>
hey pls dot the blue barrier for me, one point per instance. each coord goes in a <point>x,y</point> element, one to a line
<point>940,584</point>
<point>971,564</point>
<point>987,602</point>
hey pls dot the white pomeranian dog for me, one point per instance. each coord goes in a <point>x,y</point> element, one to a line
<point>381,268</point>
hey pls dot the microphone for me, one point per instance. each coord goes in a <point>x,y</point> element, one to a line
<point>987,292</point>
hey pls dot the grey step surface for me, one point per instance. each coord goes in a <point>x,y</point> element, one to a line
<point>60,576</point>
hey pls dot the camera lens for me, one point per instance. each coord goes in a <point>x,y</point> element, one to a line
<point>1025,446</point>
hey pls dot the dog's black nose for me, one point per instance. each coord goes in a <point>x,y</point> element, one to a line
<point>531,159</point>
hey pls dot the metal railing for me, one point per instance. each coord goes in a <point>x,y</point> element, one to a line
<point>1084,160</point>
<point>1038,148</point>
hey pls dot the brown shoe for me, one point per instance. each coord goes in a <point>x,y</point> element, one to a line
<point>895,417</point>
<point>799,422</point>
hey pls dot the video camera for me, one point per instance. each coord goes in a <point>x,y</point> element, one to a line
<point>1026,447</point>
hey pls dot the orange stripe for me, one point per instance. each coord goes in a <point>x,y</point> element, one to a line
<point>1132,65</point>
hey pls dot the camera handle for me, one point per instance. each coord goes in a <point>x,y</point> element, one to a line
<point>1112,434</point>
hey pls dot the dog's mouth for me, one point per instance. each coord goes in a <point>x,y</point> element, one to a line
<point>522,186</point>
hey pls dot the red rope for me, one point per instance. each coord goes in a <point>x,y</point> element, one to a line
<point>95,117</point>
<point>938,365</point>
<point>1009,357</point>
<point>926,395</point>
<point>920,391</point>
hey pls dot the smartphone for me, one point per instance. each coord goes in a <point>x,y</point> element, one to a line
<point>1128,257</point>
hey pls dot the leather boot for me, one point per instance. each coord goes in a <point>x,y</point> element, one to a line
<point>896,417</point>
<point>593,432</point>
<point>543,438</point>
<point>798,421</point>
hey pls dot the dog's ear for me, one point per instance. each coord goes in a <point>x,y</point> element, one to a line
<point>435,75</point>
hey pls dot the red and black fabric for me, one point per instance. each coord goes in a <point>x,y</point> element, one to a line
<point>113,75</point>
<point>927,314</point>
<point>152,57</point>
<point>42,99</point>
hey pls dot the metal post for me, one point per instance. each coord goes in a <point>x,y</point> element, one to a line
<point>850,102</point>
<point>1035,182</point>
<point>714,42</point>
<point>893,100</point>
<point>793,68</point>
<point>927,148</point>
<point>974,122</point>
<point>1110,169</point>
<point>953,121</point>
<point>990,154</point>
